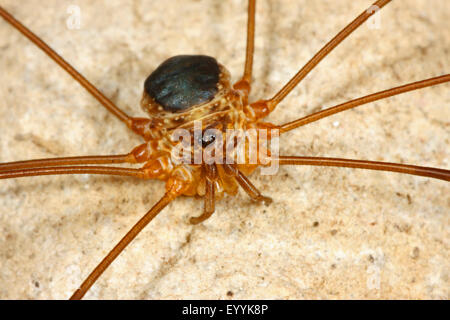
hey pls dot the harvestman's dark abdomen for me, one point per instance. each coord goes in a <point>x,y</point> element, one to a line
<point>183,81</point>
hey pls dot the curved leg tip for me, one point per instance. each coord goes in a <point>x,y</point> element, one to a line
<point>266,200</point>
<point>196,220</point>
<point>201,218</point>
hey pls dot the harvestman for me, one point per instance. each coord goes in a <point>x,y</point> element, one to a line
<point>166,114</point>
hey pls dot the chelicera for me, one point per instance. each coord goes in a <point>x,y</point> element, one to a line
<point>187,88</point>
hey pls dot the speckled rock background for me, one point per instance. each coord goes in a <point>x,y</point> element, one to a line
<point>330,233</point>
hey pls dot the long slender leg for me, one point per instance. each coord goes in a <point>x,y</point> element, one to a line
<point>117,171</point>
<point>209,206</point>
<point>175,189</point>
<point>263,107</point>
<point>108,104</point>
<point>139,154</point>
<point>246,184</point>
<point>364,164</point>
<point>364,100</point>
<point>245,83</point>
<point>41,163</point>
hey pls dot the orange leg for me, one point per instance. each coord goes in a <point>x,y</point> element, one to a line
<point>364,100</point>
<point>364,164</point>
<point>140,126</point>
<point>209,207</point>
<point>41,163</point>
<point>245,83</point>
<point>142,153</point>
<point>263,107</point>
<point>107,103</point>
<point>174,188</point>
<point>117,171</point>
<point>245,183</point>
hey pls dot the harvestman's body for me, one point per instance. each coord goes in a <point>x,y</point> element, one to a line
<point>266,191</point>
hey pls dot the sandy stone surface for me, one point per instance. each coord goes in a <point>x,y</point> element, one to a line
<point>330,233</point>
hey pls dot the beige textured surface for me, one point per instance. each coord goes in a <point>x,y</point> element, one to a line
<point>330,233</point>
